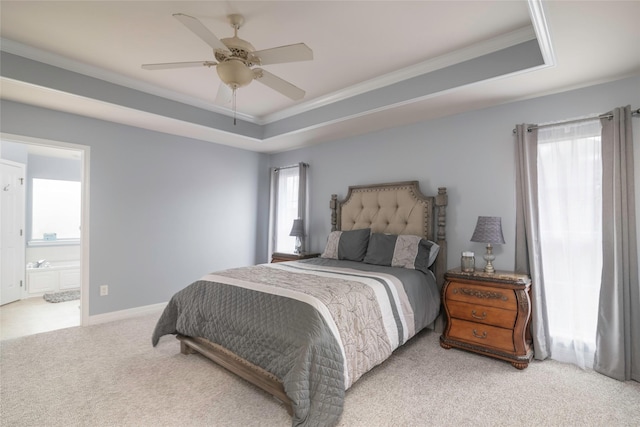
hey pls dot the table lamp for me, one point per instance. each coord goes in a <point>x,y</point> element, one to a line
<point>488,230</point>
<point>298,232</point>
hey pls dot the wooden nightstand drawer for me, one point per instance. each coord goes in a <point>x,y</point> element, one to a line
<point>482,314</point>
<point>484,335</point>
<point>484,295</point>
<point>489,314</point>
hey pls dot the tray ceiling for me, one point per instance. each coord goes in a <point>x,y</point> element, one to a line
<point>376,64</point>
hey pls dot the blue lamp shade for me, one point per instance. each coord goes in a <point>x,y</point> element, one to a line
<point>488,230</point>
<point>298,232</point>
<point>298,228</point>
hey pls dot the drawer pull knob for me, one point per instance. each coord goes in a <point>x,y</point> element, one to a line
<point>475,316</point>
<point>477,335</point>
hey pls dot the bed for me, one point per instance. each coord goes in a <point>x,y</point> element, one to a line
<point>305,331</point>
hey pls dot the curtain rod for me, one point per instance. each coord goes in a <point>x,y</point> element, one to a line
<point>609,116</point>
<point>291,166</point>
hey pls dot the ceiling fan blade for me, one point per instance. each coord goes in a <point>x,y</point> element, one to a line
<point>200,30</point>
<point>168,65</point>
<point>278,84</point>
<point>282,54</point>
<point>224,95</point>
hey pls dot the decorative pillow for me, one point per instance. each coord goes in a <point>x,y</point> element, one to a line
<point>401,251</point>
<point>348,245</point>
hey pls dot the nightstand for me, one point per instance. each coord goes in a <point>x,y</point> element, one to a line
<point>282,257</point>
<point>488,314</point>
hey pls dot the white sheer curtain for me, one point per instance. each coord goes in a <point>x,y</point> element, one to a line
<point>557,241</point>
<point>570,216</point>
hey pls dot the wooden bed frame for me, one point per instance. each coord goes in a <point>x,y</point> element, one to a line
<point>398,208</point>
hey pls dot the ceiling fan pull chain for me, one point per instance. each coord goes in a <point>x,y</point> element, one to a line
<point>234,106</point>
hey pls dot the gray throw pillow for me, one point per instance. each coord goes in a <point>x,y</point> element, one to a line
<point>401,251</point>
<point>348,245</point>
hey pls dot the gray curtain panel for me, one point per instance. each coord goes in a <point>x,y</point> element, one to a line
<point>528,258</point>
<point>618,333</point>
<point>303,202</point>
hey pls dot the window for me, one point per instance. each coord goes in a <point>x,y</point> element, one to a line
<point>570,209</point>
<point>56,207</point>
<point>288,202</point>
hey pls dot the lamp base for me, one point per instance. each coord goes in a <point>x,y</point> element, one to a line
<point>298,248</point>
<point>489,257</point>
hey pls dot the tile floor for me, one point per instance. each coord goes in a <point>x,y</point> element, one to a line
<point>35,315</point>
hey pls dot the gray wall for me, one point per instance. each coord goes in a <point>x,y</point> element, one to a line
<point>14,152</point>
<point>472,154</point>
<point>48,167</point>
<point>164,210</point>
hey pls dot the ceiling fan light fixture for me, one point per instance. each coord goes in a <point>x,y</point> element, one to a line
<point>235,58</point>
<point>234,73</point>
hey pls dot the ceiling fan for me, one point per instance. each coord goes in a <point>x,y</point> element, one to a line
<point>236,60</point>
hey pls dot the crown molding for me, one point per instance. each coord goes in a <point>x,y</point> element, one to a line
<point>59,61</point>
<point>401,104</point>
<point>537,30</point>
<point>478,49</point>
<point>464,54</point>
<point>539,22</point>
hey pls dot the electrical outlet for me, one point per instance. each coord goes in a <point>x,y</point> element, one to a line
<point>104,290</point>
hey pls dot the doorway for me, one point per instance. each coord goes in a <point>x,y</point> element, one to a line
<point>66,259</point>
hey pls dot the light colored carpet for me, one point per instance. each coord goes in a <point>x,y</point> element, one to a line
<point>110,375</point>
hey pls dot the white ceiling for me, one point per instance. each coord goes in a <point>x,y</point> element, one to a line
<point>359,47</point>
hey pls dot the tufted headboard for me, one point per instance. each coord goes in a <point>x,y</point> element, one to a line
<point>395,208</point>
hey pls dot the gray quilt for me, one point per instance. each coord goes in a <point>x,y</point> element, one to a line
<point>317,324</point>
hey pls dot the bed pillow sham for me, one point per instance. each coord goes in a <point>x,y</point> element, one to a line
<point>404,251</point>
<point>348,245</point>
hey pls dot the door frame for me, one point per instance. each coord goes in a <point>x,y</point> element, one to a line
<point>85,151</point>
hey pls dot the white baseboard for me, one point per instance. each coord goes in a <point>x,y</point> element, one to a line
<point>126,314</point>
